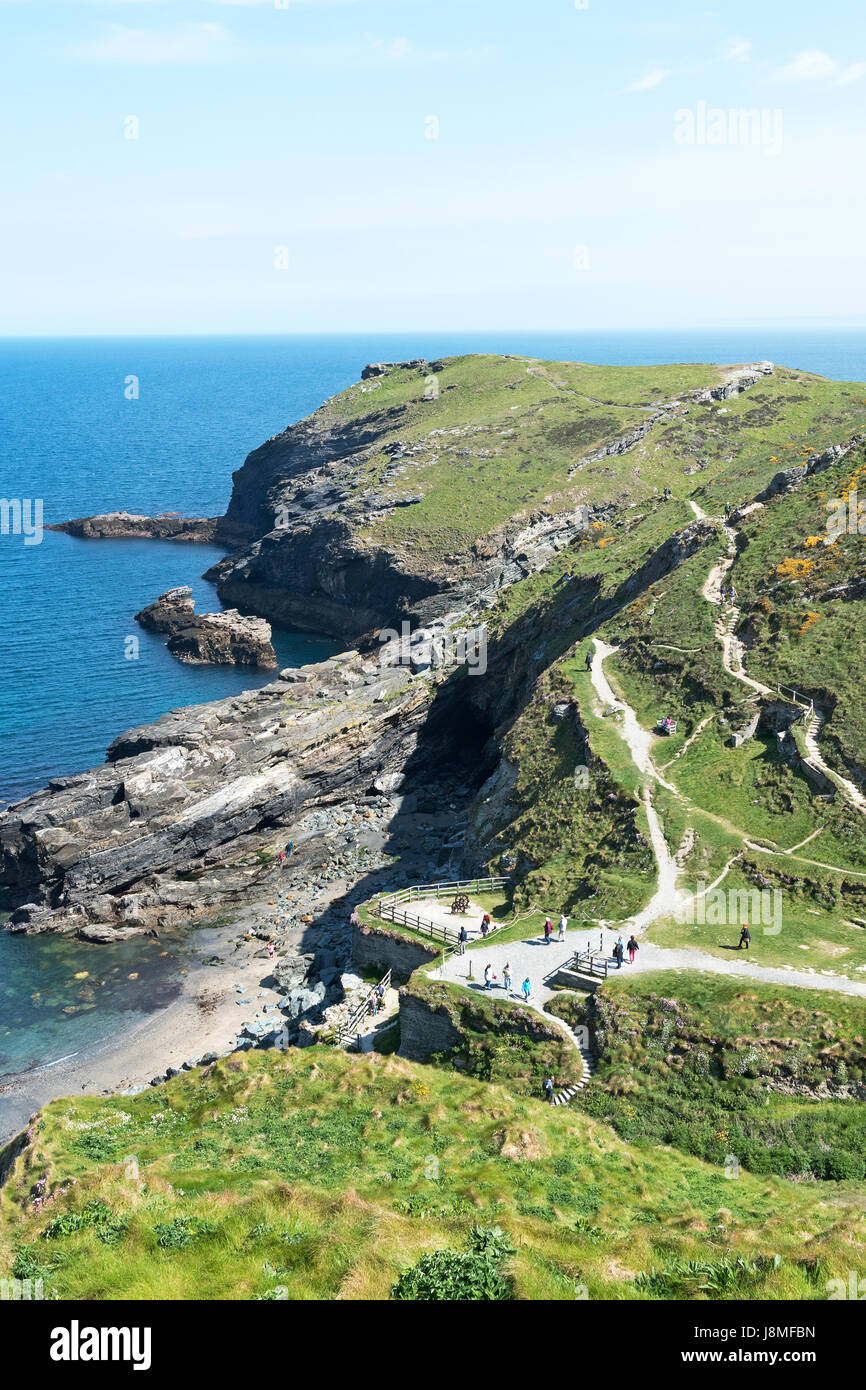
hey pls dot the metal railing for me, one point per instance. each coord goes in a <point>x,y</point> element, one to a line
<point>360,1012</point>
<point>788,692</point>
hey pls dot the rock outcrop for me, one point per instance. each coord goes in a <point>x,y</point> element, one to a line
<point>224,639</point>
<point>183,818</point>
<point>168,526</point>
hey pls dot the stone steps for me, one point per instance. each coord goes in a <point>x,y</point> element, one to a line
<point>568,1093</point>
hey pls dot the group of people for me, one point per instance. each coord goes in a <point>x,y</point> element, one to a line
<point>377,998</point>
<point>619,950</point>
<point>548,929</point>
<point>507,981</point>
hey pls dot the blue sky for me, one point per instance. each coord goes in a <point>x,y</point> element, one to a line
<point>573,182</point>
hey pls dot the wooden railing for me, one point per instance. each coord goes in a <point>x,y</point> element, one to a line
<point>389,907</point>
<point>445,890</point>
<point>438,931</point>
<point>588,963</point>
<point>350,1028</point>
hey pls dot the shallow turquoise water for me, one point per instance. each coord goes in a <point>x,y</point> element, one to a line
<point>47,1014</point>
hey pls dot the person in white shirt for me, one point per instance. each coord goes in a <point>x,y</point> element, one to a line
<point>563,925</point>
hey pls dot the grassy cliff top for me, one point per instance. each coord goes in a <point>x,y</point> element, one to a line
<point>485,438</point>
<point>328,1176</point>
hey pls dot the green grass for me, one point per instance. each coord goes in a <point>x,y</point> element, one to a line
<point>583,847</point>
<point>330,1176</point>
<point>504,433</point>
<point>743,1075</point>
<point>817,912</point>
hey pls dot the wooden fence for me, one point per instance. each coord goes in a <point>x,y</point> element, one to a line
<point>390,907</point>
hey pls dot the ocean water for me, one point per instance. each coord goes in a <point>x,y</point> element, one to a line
<point>70,436</point>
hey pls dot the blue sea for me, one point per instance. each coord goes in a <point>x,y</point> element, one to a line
<point>70,435</point>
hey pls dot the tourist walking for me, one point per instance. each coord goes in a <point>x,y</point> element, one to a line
<point>589,660</point>
<point>526,989</point>
<point>506,978</point>
<point>548,931</point>
<point>745,938</point>
<point>631,946</point>
<point>548,1089</point>
<point>618,953</point>
<point>270,949</point>
<point>563,927</point>
<point>488,977</point>
<point>462,939</point>
<point>485,924</point>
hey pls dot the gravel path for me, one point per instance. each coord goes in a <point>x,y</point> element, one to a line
<point>537,961</point>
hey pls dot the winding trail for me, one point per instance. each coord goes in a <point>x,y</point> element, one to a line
<point>667,897</point>
<point>733,654</point>
<point>812,732</point>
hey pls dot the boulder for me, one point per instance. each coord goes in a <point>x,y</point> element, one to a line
<point>291,972</point>
<point>171,611</point>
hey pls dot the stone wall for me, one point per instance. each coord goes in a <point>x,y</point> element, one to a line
<point>377,948</point>
<point>424,1028</point>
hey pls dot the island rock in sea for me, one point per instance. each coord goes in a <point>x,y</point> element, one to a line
<point>220,638</point>
<point>168,526</point>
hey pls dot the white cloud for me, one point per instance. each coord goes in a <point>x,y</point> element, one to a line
<point>809,66</point>
<point>189,43</point>
<point>653,78</point>
<point>737,50</point>
<point>813,65</point>
<point>852,74</point>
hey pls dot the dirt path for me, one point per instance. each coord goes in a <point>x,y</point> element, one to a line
<point>729,617</point>
<point>667,897</point>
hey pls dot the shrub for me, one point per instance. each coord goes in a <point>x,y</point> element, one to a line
<point>461,1276</point>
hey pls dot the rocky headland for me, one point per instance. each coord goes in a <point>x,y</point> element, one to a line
<point>462,525</point>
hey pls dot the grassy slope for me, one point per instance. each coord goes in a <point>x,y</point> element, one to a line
<point>702,1062</point>
<point>799,634</point>
<point>504,432</point>
<point>327,1175</point>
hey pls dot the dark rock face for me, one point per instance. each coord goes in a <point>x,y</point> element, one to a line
<point>217,638</point>
<point>225,639</point>
<point>168,829</point>
<point>125,525</point>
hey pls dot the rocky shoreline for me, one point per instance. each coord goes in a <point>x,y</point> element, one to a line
<point>368,760</point>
